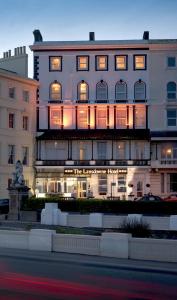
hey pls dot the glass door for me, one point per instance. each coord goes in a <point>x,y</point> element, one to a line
<point>82,187</point>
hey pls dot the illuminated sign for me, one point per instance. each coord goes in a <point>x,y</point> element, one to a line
<point>94,171</point>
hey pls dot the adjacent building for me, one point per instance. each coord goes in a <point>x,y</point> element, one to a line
<point>106,117</point>
<point>17,118</point>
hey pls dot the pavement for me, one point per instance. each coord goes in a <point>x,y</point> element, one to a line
<point>92,261</point>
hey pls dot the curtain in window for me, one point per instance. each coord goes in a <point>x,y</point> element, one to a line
<point>55,91</point>
<point>83,91</point>
<point>121,90</point>
<point>102,90</point>
<point>140,90</point>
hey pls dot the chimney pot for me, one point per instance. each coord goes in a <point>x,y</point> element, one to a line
<point>146,35</point>
<point>91,36</point>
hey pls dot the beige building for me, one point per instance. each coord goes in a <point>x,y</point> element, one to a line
<point>17,118</point>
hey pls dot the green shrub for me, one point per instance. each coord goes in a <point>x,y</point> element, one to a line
<point>136,228</point>
<point>104,206</point>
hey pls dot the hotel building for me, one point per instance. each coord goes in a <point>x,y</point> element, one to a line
<point>106,117</point>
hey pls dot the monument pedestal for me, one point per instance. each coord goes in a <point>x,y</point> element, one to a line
<point>17,197</point>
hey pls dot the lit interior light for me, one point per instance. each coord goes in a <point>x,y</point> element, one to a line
<point>169,151</point>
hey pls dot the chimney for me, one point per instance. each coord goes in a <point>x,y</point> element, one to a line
<point>91,36</point>
<point>37,36</point>
<point>146,35</point>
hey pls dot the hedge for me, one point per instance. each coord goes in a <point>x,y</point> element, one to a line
<point>105,206</point>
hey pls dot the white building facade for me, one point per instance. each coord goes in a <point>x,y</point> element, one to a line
<point>106,117</point>
<point>17,119</point>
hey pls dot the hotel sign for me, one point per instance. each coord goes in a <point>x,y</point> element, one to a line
<point>94,171</point>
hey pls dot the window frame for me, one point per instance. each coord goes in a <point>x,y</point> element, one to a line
<point>26,93</point>
<point>11,121</point>
<point>98,100</point>
<point>14,92</point>
<point>77,63</point>
<point>96,63</point>
<point>79,92</point>
<point>171,92</point>
<point>50,92</point>
<point>174,118</point>
<point>26,152</point>
<point>145,62</point>
<point>25,121</point>
<point>143,83</point>
<point>123,83</point>
<point>171,67</point>
<point>61,63</point>
<point>126,62</point>
<point>11,156</point>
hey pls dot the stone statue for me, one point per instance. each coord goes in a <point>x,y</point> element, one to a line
<point>18,178</point>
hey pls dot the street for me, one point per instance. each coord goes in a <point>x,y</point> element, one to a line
<point>31,275</point>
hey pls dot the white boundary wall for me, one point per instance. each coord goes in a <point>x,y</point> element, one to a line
<point>108,244</point>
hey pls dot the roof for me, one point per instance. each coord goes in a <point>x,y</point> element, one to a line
<point>141,43</point>
<point>15,76</point>
<point>95,134</point>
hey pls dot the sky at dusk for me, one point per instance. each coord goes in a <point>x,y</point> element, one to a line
<point>73,19</point>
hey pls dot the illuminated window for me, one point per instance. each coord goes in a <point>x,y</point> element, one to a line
<point>101,63</point>
<point>11,120</point>
<point>171,90</point>
<point>121,184</point>
<point>171,117</point>
<point>169,151</point>
<point>140,117</point>
<point>121,118</point>
<point>55,63</point>
<point>82,118</point>
<point>82,150</point>
<point>55,118</point>
<point>121,62</point>
<point>139,62</point>
<point>101,118</point>
<point>83,91</point>
<point>25,154</point>
<point>102,91</point>
<point>55,91</point>
<point>140,90</point>
<point>25,123</point>
<point>121,90</point>
<point>82,63</point>
<point>102,184</point>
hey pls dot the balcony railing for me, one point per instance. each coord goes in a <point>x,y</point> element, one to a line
<point>168,161</point>
<point>113,163</point>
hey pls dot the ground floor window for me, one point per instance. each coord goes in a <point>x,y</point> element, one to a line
<point>172,182</point>
<point>102,184</point>
<point>122,184</point>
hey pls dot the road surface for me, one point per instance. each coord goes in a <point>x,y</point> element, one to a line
<point>30,275</point>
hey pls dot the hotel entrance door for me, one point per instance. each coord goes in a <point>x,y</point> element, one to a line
<point>82,187</point>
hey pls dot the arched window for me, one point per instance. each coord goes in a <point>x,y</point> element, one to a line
<point>102,91</point>
<point>171,90</point>
<point>121,90</point>
<point>55,91</point>
<point>140,90</point>
<point>83,91</point>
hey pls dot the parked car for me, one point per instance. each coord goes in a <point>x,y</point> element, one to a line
<point>149,198</point>
<point>171,198</point>
<point>4,206</point>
